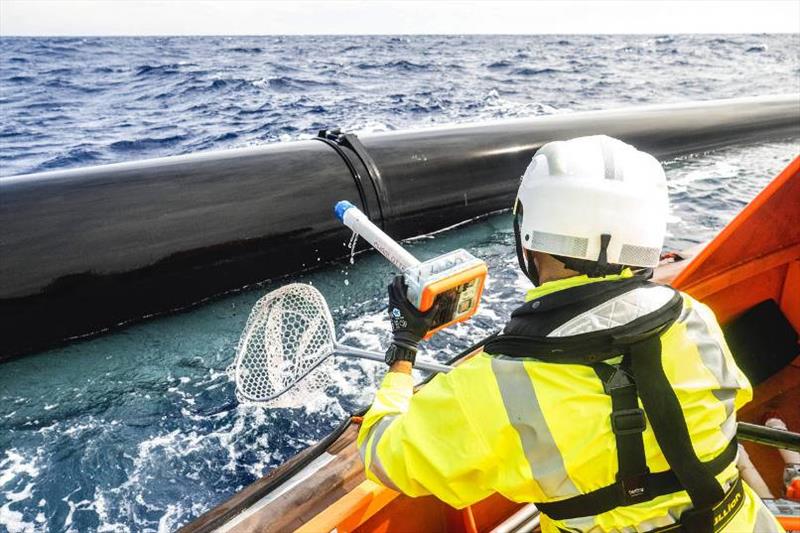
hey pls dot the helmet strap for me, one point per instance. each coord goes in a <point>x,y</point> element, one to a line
<point>528,267</point>
<point>593,269</point>
<point>602,258</point>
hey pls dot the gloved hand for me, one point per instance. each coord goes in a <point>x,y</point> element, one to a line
<point>409,324</point>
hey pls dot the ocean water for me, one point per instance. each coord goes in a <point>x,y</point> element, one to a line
<point>70,102</point>
<point>139,429</point>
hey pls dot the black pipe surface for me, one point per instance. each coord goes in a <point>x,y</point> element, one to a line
<point>86,249</point>
<point>776,438</point>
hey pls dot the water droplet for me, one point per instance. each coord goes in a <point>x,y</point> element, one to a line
<point>352,245</point>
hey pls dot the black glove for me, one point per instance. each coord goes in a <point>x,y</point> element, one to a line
<point>409,324</point>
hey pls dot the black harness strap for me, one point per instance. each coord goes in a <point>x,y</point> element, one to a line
<point>611,496</point>
<point>723,512</point>
<point>640,376</point>
<point>669,425</point>
<point>628,424</point>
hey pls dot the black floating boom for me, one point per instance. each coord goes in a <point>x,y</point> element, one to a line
<point>87,249</point>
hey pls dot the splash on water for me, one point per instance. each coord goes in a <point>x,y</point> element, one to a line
<point>352,245</point>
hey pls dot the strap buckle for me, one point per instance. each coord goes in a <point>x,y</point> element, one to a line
<point>628,421</point>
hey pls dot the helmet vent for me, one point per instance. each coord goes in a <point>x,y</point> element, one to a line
<point>553,243</point>
<point>639,255</point>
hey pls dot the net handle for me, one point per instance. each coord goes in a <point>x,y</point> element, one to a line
<point>350,351</point>
<point>347,351</point>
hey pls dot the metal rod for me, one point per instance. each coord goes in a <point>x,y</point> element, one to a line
<point>430,366</point>
<point>777,438</point>
<point>517,520</point>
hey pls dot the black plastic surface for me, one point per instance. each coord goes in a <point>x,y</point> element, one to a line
<point>87,249</point>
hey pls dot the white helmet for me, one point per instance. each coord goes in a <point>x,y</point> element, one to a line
<point>594,199</point>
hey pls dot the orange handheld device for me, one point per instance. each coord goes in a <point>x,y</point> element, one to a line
<point>455,279</point>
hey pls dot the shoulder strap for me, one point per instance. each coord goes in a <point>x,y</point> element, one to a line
<point>586,348</point>
<point>635,483</point>
<point>544,314</point>
<point>669,425</point>
<point>628,424</point>
<point>640,342</point>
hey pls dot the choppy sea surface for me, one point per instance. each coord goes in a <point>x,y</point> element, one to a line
<point>139,429</point>
<point>70,102</point>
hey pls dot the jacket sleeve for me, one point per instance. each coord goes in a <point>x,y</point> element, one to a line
<point>425,443</point>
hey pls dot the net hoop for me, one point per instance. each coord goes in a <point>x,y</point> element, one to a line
<point>285,346</point>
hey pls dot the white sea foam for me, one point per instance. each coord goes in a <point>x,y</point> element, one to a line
<point>14,520</point>
<point>169,521</point>
<point>15,464</point>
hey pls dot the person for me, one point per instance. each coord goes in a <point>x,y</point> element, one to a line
<point>608,401</point>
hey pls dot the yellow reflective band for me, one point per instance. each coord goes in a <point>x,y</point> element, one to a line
<point>372,462</point>
<point>526,417</point>
<point>710,350</point>
<point>714,359</point>
<point>380,473</point>
<point>726,397</point>
<point>378,430</point>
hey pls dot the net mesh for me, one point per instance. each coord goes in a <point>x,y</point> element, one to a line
<point>282,355</point>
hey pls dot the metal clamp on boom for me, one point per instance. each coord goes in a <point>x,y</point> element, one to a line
<point>373,195</point>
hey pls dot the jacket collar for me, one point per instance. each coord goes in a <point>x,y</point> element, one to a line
<point>575,281</point>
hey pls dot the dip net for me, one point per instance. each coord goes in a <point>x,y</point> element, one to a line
<point>282,355</point>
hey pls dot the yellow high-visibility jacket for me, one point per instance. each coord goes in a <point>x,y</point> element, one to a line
<point>540,432</point>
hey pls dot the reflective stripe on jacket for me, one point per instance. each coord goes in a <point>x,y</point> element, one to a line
<point>535,431</point>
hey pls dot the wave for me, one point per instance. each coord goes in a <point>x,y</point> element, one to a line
<point>74,157</point>
<point>526,71</point>
<point>148,143</point>
<point>59,83</point>
<point>499,64</point>
<point>723,40</point>
<point>242,50</point>
<point>172,68</point>
<point>397,65</point>
<point>285,83</point>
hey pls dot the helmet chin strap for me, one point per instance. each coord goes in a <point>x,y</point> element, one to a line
<point>528,268</point>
